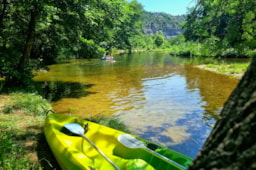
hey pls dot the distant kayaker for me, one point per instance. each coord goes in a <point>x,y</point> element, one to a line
<point>110,57</point>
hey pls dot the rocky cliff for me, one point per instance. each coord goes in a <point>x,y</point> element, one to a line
<point>168,24</point>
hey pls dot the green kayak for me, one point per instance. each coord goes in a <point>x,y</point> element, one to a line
<point>101,147</point>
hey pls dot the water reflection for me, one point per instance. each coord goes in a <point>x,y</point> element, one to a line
<point>167,102</point>
<point>54,91</point>
<point>157,96</point>
<point>214,88</point>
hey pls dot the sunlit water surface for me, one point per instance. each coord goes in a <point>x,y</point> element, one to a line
<point>157,96</point>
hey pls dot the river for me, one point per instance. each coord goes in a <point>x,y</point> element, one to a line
<point>159,97</point>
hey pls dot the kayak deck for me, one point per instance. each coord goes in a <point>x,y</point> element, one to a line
<point>73,152</point>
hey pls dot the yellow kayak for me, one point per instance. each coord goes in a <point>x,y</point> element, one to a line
<point>101,147</point>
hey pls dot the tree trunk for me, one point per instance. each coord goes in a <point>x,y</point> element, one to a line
<point>29,42</point>
<point>232,142</point>
<point>2,15</point>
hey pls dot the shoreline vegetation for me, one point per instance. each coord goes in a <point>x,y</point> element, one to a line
<point>232,70</point>
<point>23,144</point>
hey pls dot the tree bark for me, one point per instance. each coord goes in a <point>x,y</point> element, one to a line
<point>2,15</point>
<point>232,142</point>
<point>29,42</point>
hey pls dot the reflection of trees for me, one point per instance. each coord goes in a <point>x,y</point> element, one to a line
<point>122,82</point>
<point>1,85</point>
<point>130,71</point>
<point>114,84</point>
<point>54,91</point>
<point>214,88</point>
<point>149,65</point>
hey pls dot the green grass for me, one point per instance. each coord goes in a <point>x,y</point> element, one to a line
<point>233,68</point>
<point>21,122</point>
<point>12,153</point>
<point>29,103</point>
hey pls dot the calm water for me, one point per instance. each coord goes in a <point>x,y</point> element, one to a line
<point>157,96</point>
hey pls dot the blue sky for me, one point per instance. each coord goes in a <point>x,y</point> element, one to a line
<point>174,7</point>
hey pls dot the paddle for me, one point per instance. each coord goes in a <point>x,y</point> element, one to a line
<point>133,143</point>
<point>77,129</point>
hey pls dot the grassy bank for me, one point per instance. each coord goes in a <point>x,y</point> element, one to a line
<point>22,144</point>
<point>236,70</point>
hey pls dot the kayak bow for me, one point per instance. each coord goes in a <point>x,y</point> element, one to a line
<point>73,152</point>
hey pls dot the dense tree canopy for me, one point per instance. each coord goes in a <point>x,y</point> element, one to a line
<point>46,30</point>
<point>228,25</point>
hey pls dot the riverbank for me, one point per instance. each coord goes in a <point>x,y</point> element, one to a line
<point>235,70</point>
<point>23,144</point>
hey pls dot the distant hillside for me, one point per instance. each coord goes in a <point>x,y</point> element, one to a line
<point>170,25</point>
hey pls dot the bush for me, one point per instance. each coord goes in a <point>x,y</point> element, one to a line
<point>89,49</point>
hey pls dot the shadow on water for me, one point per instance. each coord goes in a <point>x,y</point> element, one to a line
<point>186,135</point>
<point>52,90</point>
<point>198,128</point>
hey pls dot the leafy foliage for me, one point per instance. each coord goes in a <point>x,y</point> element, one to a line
<point>43,30</point>
<point>159,39</point>
<point>227,27</point>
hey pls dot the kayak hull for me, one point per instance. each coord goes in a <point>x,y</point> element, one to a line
<point>73,152</point>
